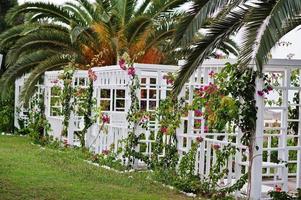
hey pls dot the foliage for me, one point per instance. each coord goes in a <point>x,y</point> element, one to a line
<point>135,116</point>
<point>223,18</point>
<point>7,113</point>
<point>37,124</point>
<point>169,115</point>
<point>109,158</point>
<point>85,104</point>
<point>80,30</point>
<point>281,195</point>
<point>66,97</point>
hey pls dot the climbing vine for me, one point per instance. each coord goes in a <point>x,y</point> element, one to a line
<point>66,96</point>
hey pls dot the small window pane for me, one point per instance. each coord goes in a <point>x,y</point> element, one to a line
<point>105,93</point>
<point>152,94</point>
<point>143,94</point>
<point>143,105</point>
<point>153,81</point>
<point>120,103</point>
<point>82,81</point>
<point>105,105</point>
<point>143,80</point>
<point>120,93</point>
<point>152,105</point>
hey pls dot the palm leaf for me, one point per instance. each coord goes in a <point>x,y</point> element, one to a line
<point>217,33</point>
<point>53,62</point>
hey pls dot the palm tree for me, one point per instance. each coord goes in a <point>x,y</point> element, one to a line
<point>263,22</point>
<point>79,31</point>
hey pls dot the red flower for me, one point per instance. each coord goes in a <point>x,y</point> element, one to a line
<point>144,119</point>
<point>55,81</point>
<point>206,129</point>
<point>211,74</point>
<point>277,188</point>
<point>198,113</point>
<point>164,130</point>
<point>269,88</point>
<point>91,74</point>
<point>199,139</point>
<point>169,81</point>
<point>131,71</point>
<point>260,93</point>
<point>105,119</point>
<point>122,64</point>
<point>105,152</point>
<point>216,146</point>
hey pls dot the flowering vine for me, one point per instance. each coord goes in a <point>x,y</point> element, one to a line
<point>66,96</point>
<point>135,116</point>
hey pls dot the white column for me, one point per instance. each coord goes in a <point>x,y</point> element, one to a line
<point>256,168</point>
<point>298,175</point>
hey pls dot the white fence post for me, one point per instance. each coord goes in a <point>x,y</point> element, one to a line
<point>256,168</point>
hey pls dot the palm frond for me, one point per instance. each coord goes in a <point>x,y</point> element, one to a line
<point>195,19</point>
<point>23,65</point>
<point>254,24</point>
<point>217,33</point>
<point>52,11</point>
<point>282,13</point>
<point>53,62</point>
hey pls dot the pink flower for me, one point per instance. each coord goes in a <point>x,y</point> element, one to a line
<point>105,119</point>
<point>122,64</point>
<point>105,152</point>
<point>199,139</point>
<point>260,93</point>
<point>144,119</point>
<point>198,113</point>
<point>211,74</point>
<point>91,74</point>
<point>164,130</point>
<point>216,146</point>
<point>277,188</point>
<point>168,79</point>
<point>131,71</point>
<point>269,88</point>
<point>55,81</point>
<point>206,129</point>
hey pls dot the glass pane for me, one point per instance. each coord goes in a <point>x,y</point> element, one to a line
<point>143,93</point>
<point>152,94</point>
<point>120,104</point>
<point>152,105</point>
<point>143,80</point>
<point>105,105</point>
<point>120,93</point>
<point>82,81</point>
<point>153,81</point>
<point>105,93</point>
<point>143,105</point>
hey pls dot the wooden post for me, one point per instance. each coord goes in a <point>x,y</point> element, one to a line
<point>256,168</point>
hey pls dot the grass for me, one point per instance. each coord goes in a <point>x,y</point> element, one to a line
<point>30,172</point>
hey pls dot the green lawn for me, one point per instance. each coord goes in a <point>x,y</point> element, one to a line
<point>30,172</point>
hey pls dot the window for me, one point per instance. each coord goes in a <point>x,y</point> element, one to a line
<point>148,94</point>
<point>117,96</point>
<point>105,99</point>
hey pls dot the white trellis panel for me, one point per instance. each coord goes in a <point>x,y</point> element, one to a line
<point>277,158</point>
